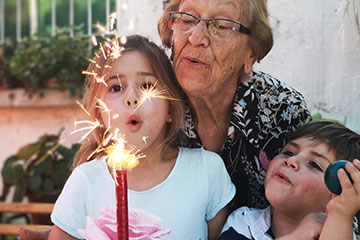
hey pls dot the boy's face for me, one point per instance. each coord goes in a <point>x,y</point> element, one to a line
<point>295,179</point>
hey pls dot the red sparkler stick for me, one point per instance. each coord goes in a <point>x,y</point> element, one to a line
<point>122,205</point>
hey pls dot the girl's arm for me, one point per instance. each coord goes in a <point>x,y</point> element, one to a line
<point>342,208</point>
<point>58,234</point>
<point>216,224</point>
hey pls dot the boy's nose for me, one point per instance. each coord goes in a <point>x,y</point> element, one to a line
<point>291,163</point>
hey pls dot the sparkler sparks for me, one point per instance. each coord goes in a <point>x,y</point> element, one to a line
<point>112,144</point>
<point>120,158</point>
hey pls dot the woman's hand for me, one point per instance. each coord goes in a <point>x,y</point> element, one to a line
<point>309,228</point>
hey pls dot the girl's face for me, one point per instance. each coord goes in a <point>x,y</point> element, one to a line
<point>141,123</point>
<point>295,178</point>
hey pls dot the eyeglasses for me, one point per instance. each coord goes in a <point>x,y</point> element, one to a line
<point>218,27</point>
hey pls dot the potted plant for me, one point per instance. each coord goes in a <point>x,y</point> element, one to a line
<point>57,61</point>
<point>7,80</point>
<point>39,169</point>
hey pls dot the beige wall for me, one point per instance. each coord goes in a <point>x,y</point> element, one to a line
<point>24,123</point>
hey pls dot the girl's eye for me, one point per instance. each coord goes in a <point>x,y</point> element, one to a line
<point>314,165</point>
<point>116,88</point>
<point>147,86</point>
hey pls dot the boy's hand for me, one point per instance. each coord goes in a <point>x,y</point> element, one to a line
<point>347,204</point>
<point>308,229</point>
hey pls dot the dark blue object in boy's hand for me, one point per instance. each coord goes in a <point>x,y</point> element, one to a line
<point>331,178</point>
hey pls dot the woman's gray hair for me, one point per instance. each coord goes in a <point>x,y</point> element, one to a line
<point>260,40</point>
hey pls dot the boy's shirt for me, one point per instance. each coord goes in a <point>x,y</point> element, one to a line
<point>249,223</point>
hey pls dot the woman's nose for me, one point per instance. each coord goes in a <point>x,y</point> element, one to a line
<point>131,98</point>
<point>292,163</point>
<point>200,35</point>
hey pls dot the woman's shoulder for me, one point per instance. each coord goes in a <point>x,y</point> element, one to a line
<point>265,84</point>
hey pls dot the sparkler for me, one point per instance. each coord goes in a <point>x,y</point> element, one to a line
<point>120,160</point>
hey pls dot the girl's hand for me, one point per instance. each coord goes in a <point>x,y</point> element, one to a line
<point>347,204</point>
<point>309,228</point>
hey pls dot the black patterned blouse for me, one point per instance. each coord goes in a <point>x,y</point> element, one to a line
<point>265,111</point>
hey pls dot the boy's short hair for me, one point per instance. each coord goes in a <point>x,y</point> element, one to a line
<point>344,142</point>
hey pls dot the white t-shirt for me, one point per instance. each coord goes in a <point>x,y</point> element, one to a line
<point>195,190</point>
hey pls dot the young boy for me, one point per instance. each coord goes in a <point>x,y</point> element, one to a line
<point>301,205</point>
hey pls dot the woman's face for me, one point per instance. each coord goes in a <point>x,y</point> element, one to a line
<point>205,65</point>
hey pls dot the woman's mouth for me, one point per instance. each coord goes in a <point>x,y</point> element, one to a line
<point>194,61</point>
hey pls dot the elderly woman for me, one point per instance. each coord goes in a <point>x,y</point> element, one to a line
<point>243,115</point>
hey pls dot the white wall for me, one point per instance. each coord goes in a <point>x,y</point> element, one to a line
<point>317,51</point>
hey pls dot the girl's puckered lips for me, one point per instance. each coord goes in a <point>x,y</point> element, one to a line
<point>134,122</point>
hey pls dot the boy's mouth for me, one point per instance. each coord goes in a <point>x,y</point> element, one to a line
<point>283,177</point>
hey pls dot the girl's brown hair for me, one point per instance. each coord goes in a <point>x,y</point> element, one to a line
<point>162,69</point>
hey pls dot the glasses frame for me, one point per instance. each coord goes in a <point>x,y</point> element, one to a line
<point>241,29</point>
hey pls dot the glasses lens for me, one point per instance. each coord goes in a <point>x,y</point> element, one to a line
<point>183,22</point>
<point>223,28</point>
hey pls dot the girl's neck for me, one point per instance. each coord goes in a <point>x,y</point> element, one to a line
<point>152,169</point>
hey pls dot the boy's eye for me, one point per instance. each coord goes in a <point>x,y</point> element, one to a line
<point>116,88</point>
<point>288,153</point>
<point>314,165</point>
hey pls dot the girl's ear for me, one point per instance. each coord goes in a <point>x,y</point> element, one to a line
<point>169,118</point>
<point>250,60</point>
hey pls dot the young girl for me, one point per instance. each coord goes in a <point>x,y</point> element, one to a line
<point>187,189</point>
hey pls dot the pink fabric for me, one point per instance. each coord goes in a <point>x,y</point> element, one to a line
<point>142,226</point>
<point>264,159</point>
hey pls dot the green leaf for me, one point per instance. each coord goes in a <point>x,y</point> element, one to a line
<point>60,174</point>
<point>34,183</point>
<point>28,151</point>
<point>12,171</point>
<point>316,117</point>
<point>48,185</point>
<point>44,166</point>
<point>20,191</point>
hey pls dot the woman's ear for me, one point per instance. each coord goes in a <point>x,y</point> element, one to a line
<point>250,60</point>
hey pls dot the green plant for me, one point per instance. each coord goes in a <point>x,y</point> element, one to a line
<point>39,167</point>
<point>42,61</point>
<point>7,80</point>
<point>317,117</point>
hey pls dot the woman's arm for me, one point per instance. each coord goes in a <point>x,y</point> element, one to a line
<point>58,234</point>
<point>216,224</point>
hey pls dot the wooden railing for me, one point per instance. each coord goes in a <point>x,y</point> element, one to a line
<point>26,208</point>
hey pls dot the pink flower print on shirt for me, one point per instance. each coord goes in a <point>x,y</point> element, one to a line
<point>264,161</point>
<point>142,226</point>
